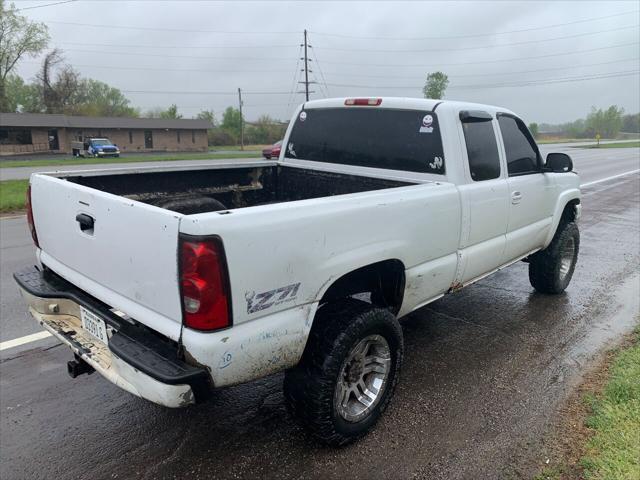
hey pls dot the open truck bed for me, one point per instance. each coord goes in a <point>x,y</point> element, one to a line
<point>215,189</point>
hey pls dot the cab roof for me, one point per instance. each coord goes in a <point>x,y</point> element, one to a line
<point>405,103</point>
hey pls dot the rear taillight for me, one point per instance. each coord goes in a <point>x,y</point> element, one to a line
<point>365,102</point>
<point>32,225</point>
<point>204,283</point>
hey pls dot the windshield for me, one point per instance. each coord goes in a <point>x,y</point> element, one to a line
<point>369,137</point>
<point>99,142</point>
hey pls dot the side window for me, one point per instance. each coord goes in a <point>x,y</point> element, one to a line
<point>482,150</point>
<point>522,156</point>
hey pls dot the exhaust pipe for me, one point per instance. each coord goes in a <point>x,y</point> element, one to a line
<point>78,367</point>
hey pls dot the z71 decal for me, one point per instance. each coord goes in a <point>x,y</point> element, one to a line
<point>264,300</point>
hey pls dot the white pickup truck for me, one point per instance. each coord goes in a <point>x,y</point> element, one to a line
<point>172,282</point>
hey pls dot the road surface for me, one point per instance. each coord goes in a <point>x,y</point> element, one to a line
<point>485,371</point>
<point>17,173</point>
<point>624,158</point>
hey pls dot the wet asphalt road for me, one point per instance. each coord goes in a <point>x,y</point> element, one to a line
<point>484,373</point>
<point>596,161</point>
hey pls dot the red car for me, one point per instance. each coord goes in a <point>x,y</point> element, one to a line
<point>272,151</point>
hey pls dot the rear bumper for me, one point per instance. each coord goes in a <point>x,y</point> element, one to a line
<point>136,359</point>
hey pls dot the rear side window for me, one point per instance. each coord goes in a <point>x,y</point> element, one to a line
<point>406,140</point>
<point>482,150</point>
<point>522,156</point>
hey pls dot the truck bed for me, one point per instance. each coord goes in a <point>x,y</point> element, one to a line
<point>205,190</point>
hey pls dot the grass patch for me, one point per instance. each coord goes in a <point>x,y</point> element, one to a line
<point>635,144</point>
<point>551,473</point>
<point>62,161</point>
<point>12,195</point>
<point>614,449</point>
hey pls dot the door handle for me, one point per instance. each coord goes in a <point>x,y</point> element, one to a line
<point>516,197</point>
<point>86,221</point>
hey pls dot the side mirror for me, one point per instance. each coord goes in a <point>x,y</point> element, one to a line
<point>559,163</point>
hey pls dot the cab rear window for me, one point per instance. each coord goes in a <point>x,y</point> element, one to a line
<point>369,137</point>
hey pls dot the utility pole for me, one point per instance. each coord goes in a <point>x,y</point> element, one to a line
<point>241,119</point>
<point>306,67</point>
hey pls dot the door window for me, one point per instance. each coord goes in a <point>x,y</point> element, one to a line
<point>521,151</point>
<point>148,139</point>
<point>482,150</point>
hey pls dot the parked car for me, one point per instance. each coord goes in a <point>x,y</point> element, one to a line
<point>273,151</point>
<point>94,147</point>
<point>176,281</point>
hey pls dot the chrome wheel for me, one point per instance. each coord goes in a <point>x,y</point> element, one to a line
<point>567,255</point>
<point>363,378</point>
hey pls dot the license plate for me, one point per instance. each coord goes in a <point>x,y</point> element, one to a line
<point>94,325</point>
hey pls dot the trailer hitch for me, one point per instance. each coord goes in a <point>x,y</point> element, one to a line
<point>78,367</point>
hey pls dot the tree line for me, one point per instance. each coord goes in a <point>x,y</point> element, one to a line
<point>59,88</point>
<point>607,123</point>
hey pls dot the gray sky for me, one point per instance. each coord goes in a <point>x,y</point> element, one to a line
<point>500,52</point>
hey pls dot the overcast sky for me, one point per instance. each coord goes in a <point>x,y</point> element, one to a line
<point>548,61</point>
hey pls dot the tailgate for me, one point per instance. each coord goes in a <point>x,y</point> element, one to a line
<point>128,259</point>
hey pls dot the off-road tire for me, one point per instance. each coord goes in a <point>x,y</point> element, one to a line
<point>309,388</point>
<point>545,266</point>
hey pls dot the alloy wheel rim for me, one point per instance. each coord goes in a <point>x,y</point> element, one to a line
<point>566,257</point>
<point>363,378</point>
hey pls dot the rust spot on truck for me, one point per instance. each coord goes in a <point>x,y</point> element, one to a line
<point>455,287</point>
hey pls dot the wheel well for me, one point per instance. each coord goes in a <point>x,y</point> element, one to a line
<point>569,212</point>
<point>383,280</point>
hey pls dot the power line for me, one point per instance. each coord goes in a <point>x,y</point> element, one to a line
<point>423,65</point>
<point>306,67</point>
<point>315,55</point>
<point>138,54</point>
<point>498,74</point>
<point>507,84</point>
<point>295,78</point>
<point>45,5</point>
<point>182,92</point>
<point>151,69</point>
<point>210,107</point>
<point>119,45</point>
<point>482,47</point>
<point>554,80</point>
<point>165,29</point>
<point>475,35</point>
<point>330,73</point>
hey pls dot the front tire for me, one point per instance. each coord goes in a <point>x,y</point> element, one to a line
<point>348,372</point>
<point>551,269</point>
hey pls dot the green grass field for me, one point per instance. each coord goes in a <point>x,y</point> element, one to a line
<point>45,162</point>
<point>635,144</point>
<point>12,195</point>
<point>614,450</point>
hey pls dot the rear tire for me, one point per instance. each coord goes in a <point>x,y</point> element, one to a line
<point>551,269</point>
<point>348,372</point>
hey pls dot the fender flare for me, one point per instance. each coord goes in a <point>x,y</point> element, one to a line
<point>563,200</point>
<point>352,268</point>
